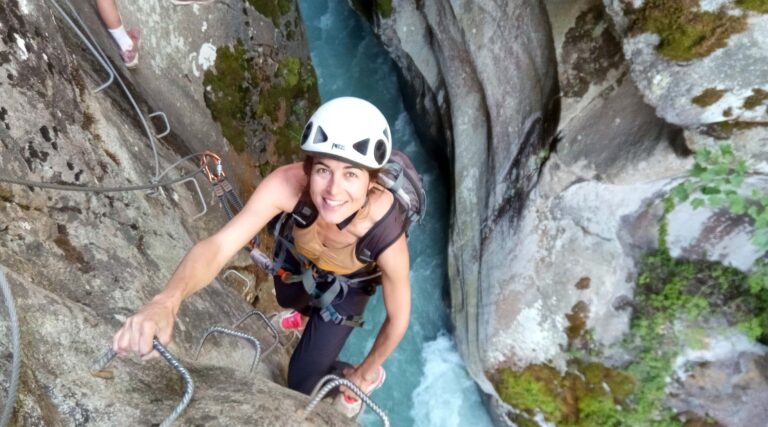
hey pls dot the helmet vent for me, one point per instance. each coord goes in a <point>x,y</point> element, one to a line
<point>307,131</point>
<point>386,134</point>
<point>380,151</point>
<point>320,136</point>
<point>362,146</point>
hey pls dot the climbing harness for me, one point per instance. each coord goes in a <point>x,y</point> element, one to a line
<point>327,383</point>
<point>15,348</point>
<point>226,331</point>
<point>189,386</point>
<point>336,285</point>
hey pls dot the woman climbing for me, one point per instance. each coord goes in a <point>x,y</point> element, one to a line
<point>340,234</point>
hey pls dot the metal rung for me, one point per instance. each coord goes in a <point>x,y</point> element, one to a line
<point>332,381</point>
<point>167,125</point>
<point>189,386</point>
<point>199,194</point>
<point>269,324</point>
<point>248,283</point>
<point>226,331</point>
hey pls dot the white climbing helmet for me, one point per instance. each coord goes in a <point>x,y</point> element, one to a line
<point>349,129</point>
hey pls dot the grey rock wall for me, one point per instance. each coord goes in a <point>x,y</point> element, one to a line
<point>671,85</point>
<point>540,229</point>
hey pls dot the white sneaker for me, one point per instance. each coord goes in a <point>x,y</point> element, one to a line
<point>352,408</point>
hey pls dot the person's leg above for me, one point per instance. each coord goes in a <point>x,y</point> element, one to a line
<point>127,40</point>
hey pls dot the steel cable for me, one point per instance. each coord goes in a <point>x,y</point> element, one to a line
<point>65,187</point>
<point>16,346</point>
<point>105,60</point>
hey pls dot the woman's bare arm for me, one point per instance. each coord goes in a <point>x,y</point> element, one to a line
<point>278,192</point>
<point>394,263</point>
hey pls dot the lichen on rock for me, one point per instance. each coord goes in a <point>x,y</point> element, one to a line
<point>708,97</point>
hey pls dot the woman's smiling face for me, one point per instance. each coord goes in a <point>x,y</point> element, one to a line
<point>338,189</point>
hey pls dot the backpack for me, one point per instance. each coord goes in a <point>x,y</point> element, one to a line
<point>401,178</point>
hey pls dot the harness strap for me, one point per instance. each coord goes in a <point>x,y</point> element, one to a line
<point>309,277</point>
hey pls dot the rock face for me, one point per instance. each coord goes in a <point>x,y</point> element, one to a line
<point>79,263</point>
<point>541,230</point>
<point>686,84</point>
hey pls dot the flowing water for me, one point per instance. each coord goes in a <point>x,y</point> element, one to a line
<point>427,383</point>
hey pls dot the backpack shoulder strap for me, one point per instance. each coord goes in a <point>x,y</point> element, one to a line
<point>383,234</point>
<point>304,213</point>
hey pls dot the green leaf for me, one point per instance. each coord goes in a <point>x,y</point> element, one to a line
<point>726,150</point>
<point>753,212</point>
<point>720,170</point>
<point>757,283</point>
<point>736,180</point>
<point>737,204</point>
<point>761,221</point>
<point>697,203</point>
<point>709,190</point>
<point>680,192</point>
<point>703,156</point>
<point>760,239</point>
<point>697,170</point>
<point>741,167</point>
<point>716,201</point>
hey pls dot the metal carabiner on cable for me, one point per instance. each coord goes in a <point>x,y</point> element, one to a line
<point>216,176</point>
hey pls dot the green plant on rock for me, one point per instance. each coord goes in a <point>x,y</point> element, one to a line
<point>272,9</point>
<point>716,181</point>
<point>229,85</point>
<point>287,99</point>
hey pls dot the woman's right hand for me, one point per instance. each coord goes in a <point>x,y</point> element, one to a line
<point>155,319</point>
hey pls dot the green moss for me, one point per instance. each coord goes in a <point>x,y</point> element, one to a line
<point>384,8</point>
<point>753,5</point>
<point>686,32</point>
<point>708,97</point>
<point>588,394</point>
<point>533,389</point>
<point>667,291</point>
<point>229,86</point>
<point>288,100</point>
<point>272,9</point>
<point>577,321</point>
<point>755,100</point>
